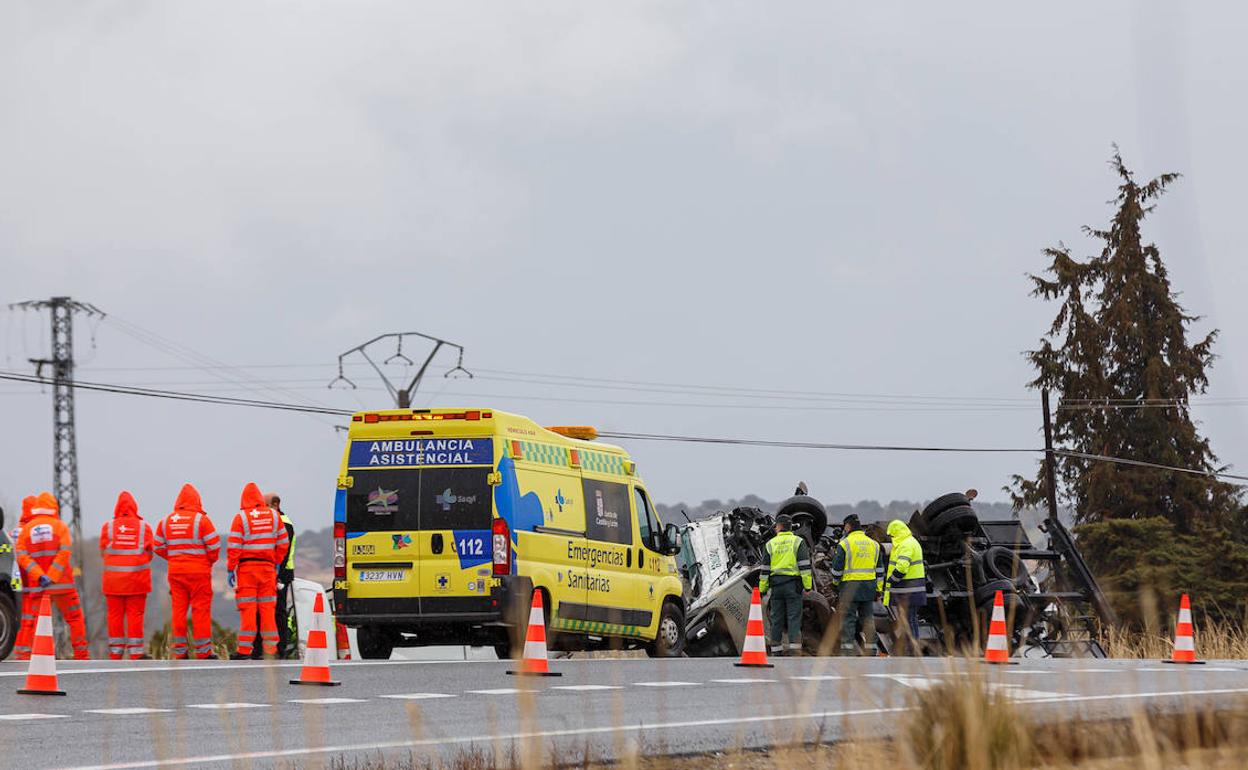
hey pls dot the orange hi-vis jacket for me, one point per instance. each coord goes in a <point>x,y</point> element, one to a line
<point>257,533</point>
<point>43,547</point>
<point>126,545</point>
<point>186,537</point>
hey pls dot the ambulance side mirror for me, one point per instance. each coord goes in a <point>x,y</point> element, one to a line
<point>671,540</point>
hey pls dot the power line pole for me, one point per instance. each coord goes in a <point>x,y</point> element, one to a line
<point>402,396</point>
<point>64,440</point>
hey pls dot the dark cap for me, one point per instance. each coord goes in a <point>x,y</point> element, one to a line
<point>785,520</point>
<point>851,519</point>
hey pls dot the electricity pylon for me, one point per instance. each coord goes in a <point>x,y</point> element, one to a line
<point>402,396</point>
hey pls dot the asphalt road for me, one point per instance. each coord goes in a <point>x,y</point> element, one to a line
<point>218,714</point>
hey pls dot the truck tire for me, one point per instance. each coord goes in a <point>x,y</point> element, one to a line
<point>375,642</point>
<point>669,642</point>
<point>960,517</point>
<point>808,508</point>
<point>8,625</point>
<point>987,592</point>
<point>1000,563</point>
<point>943,503</point>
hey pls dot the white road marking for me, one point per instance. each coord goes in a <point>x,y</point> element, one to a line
<point>226,706</point>
<point>585,687</point>
<point>418,695</point>
<point>324,701</point>
<point>818,678</point>
<point>127,711</point>
<point>500,691</point>
<point>1012,691</point>
<point>21,717</point>
<point>666,684</point>
<point>642,728</point>
<point>743,681</point>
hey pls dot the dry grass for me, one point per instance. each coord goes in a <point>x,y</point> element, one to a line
<point>1215,640</point>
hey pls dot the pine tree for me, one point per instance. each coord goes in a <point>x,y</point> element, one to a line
<point>1118,359</point>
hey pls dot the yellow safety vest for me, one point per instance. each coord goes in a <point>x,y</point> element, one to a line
<point>862,558</point>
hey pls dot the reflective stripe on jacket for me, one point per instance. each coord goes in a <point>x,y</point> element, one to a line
<point>257,532</point>
<point>126,547</point>
<point>44,546</point>
<point>186,537</point>
<point>857,558</point>
<point>289,566</point>
<point>907,572</point>
<point>790,557</point>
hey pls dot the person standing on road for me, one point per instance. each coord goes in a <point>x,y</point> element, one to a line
<point>285,576</point>
<point>44,553</point>
<point>126,547</point>
<point>784,579</point>
<point>257,545</point>
<point>187,539</point>
<point>907,587</point>
<point>857,569</point>
<point>31,592</point>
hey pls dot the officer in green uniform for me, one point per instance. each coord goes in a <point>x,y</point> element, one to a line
<point>857,569</point>
<point>907,587</point>
<point>787,574</point>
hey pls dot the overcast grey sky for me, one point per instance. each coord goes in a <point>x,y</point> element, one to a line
<point>816,197</point>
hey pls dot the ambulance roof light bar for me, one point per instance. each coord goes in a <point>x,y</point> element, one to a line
<point>582,432</point>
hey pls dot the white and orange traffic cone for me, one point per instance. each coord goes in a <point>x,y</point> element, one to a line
<point>754,651</point>
<point>342,641</point>
<point>998,649</point>
<point>316,656</point>
<point>1184,643</point>
<point>534,662</point>
<point>41,676</point>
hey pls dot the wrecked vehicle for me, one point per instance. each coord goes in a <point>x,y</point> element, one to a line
<point>1052,599</point>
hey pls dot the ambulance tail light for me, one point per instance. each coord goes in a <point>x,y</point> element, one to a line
<point>340,550</point>
<point>502,547</point>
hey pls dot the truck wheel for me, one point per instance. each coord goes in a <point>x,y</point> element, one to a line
<point>8,625</point>
<point>1000,563</point>
<point>670,641</point>
<point>943,503</point>
<point>961,517</point>
<point>374,642</point>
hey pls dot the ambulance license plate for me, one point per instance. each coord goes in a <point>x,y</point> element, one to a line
<point>382,575</point>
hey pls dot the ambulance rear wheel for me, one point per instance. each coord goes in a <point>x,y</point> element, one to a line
<point>670,640</point>
<point>375,643</point>
<point>8,625</point>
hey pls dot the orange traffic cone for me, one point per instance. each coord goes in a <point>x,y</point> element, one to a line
<point>342,641</point>
<point>1184,643</point>
<point>316,656</point>
<point>534,661</point>
<point>998,650</point>
<point>41,677</point>
<point>754,651</point>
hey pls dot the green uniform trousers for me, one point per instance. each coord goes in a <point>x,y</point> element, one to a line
<point>785,610</point>
<point>855,608</point>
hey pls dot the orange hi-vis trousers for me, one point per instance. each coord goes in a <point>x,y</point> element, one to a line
<point>194,591</point>
<point>125,624</point>
<point>66,600</point>
<point>256,593</point>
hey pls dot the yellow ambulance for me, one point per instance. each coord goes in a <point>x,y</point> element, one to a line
<point>446,521</point>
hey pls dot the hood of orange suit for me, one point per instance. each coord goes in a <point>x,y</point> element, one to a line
<point>252,498</point>
<point>126,506</point>
<point>189,500</point>
<point>46,505</point>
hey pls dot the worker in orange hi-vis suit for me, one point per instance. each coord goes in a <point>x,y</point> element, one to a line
<point>43,554</point>
<point>32,594</point>
<point>256,545</point>
<point>187,539</point>
<point>126,547</point>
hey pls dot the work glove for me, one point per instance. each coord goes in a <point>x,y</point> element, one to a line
<point>280,586</point>
<point>44,581</point>
<point>233,579</point>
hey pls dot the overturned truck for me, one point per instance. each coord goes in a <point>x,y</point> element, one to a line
<point>1052,599</point>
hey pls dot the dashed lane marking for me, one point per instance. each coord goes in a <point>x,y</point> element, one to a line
<point>818,678</point>
<point>226,706</point>
<point>744,681</point>
<point>585,687</point>
<point>324,701</point>
<point>666,684</point>
<point>418,695</point>
<point>23,717</point>
<point>127,711</point>
<point>500,691</point>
